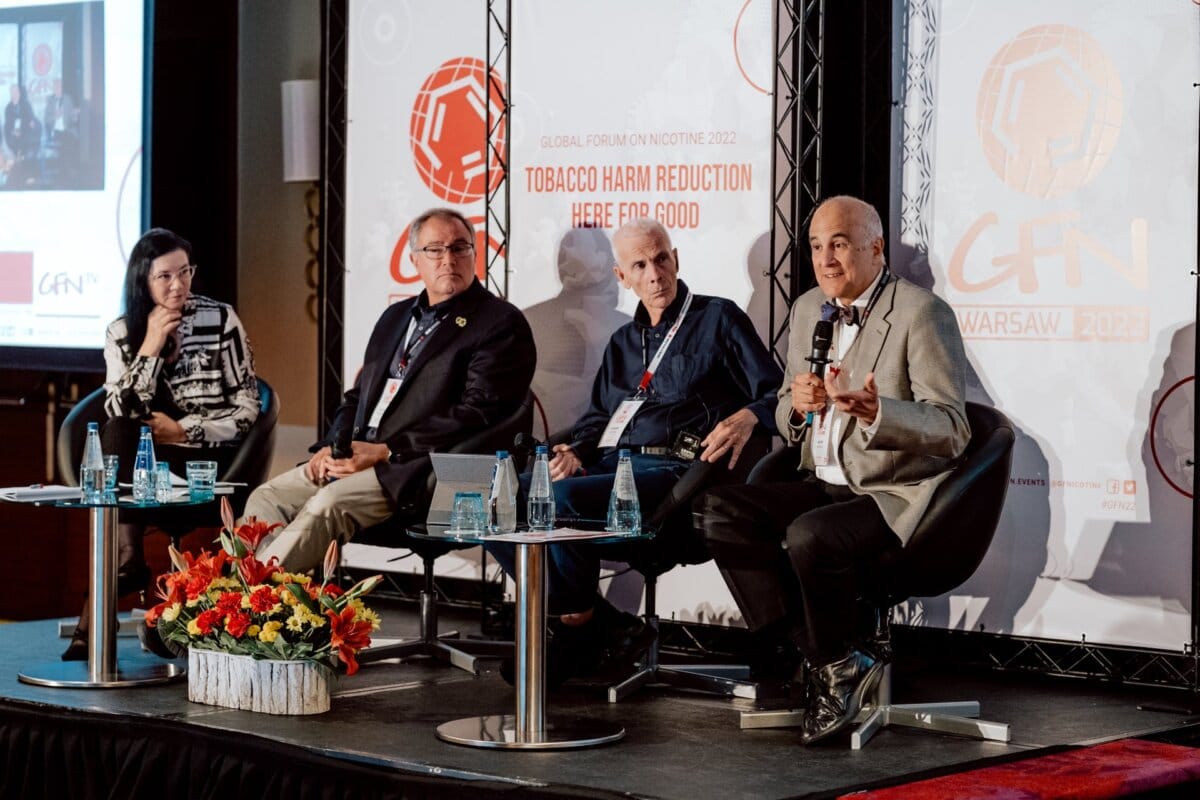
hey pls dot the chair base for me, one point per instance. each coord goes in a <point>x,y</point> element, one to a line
<point>723,680</point>
<point>464,653</point>
<point>957,718</point>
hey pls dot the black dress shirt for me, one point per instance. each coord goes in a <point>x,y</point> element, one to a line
<point>715,366</point>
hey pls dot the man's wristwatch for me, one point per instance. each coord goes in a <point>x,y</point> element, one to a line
<point>391,456</point>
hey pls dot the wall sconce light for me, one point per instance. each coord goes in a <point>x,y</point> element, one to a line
<point>302,163</point>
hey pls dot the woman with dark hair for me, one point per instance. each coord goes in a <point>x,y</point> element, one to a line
<point>22,130</point>
<point>179,363</point>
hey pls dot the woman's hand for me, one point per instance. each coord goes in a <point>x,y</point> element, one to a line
<point>166,430</point>
<point>161,325</point>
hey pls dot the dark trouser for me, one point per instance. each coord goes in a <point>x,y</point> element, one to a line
<point>119,436</point>
<point>573,569</point>
<point>791,552</point>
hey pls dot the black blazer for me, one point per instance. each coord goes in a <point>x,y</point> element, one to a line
<point>474,370</point>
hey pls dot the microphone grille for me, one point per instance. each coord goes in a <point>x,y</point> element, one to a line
<point>822,335</point>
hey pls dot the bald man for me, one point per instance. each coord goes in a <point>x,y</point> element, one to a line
<point>879,432</point>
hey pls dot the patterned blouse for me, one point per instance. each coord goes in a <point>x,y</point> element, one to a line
<point>212,381</point>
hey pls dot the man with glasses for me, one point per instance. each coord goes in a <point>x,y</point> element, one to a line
<point>438,367</point>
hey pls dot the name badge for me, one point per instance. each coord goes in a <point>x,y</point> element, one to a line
<point>820,436</point>
<point>385,399</point>
<point>620,420</point>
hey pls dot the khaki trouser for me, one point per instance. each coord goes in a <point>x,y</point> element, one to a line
<point>315,515</point>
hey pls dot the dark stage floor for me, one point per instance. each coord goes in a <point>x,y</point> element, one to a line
<point>676,746</point>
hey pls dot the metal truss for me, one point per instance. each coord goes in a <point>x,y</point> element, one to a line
<point>498,127</point>
<point>330,322</point>
<point>796,155</point>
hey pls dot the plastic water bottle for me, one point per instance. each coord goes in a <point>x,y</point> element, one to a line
<point>91,469</point>
<point>143,468</point>
<point>541,494</point>
<point>502,506</point>
<point>624,512</point>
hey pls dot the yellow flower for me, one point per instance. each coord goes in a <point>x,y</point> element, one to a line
<point>270,631</point>
<point>367,615</point>
<point>171,613</point>
<point>253,631</point>
<point>245,601</point>
<point>193,628</point>
<point>288,598</point>
<point>195,601</point>
<point>295,623</point>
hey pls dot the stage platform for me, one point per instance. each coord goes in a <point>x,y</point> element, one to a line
<point>378,739</point>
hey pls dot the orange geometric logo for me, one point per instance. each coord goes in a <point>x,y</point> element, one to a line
<point>1049,110</point>
<point>449,130</point>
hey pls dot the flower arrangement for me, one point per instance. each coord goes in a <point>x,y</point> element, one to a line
<point>231,602</point>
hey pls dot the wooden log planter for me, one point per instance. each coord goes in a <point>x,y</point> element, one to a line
<point>265,685</point>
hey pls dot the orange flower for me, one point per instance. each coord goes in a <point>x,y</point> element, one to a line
<point>263,599</point>
<point>348,636</point>
<point>254,571</point>
<point>229,602</point>
<point>253,531</point>
<point>237,624</point>
<point>206,620</point>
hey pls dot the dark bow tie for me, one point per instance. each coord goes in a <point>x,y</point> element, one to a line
<point>834,313</point>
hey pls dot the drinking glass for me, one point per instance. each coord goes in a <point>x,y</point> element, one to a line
<point>201,478</point>
<point>110,473</point>
<point>467,515</point>
<point>162,482</point>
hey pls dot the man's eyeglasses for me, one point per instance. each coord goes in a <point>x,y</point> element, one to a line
<point>184,274</point>
<point>436,251</point>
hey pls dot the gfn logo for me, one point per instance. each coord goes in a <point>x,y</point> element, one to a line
<point>1049,110</point>
<point>449,130</point>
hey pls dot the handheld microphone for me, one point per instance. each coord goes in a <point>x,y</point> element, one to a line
<point>340,448</point>
<point>822,340</point>
<point>525,442</point>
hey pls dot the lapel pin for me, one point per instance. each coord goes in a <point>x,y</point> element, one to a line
<point>460,322</point>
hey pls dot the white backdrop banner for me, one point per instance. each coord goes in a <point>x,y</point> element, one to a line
<point>620,110</point>
<point>1048,192</point>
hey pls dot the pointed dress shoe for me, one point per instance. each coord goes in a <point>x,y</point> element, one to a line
<point>838,693</point>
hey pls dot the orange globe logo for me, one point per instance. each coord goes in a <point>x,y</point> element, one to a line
<point>1049,110</point>
<point>448,130</point>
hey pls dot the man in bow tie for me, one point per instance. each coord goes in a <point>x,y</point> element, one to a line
<point>438,367</point>
<point>879,431</point>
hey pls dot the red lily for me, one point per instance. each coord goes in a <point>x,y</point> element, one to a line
<point>254,571</point>
<point>348,636</point>
<point>253,531</point>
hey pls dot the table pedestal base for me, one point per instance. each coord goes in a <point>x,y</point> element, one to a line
<point>500,730</point>
<point>75,674</point>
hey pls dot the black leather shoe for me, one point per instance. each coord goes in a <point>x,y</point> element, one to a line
<point>838,692</point>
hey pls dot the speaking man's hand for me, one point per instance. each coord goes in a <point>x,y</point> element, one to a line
<point>863,403</point>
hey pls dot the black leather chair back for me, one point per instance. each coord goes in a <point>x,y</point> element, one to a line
<point>250,465</point>
<point>957,528</point>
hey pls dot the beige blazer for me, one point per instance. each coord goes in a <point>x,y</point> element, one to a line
<point>912,343</point>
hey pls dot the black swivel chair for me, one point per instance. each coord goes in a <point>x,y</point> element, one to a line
<point>463,653</point>
<point>677,541</point>
<point>250,465</point>
<point>944,551</point>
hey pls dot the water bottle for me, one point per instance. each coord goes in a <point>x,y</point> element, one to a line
<point>541,495</point>
<point>143,468</point>
<point>91,469</point>
<point>502,506</point>
<point>624,513</point>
